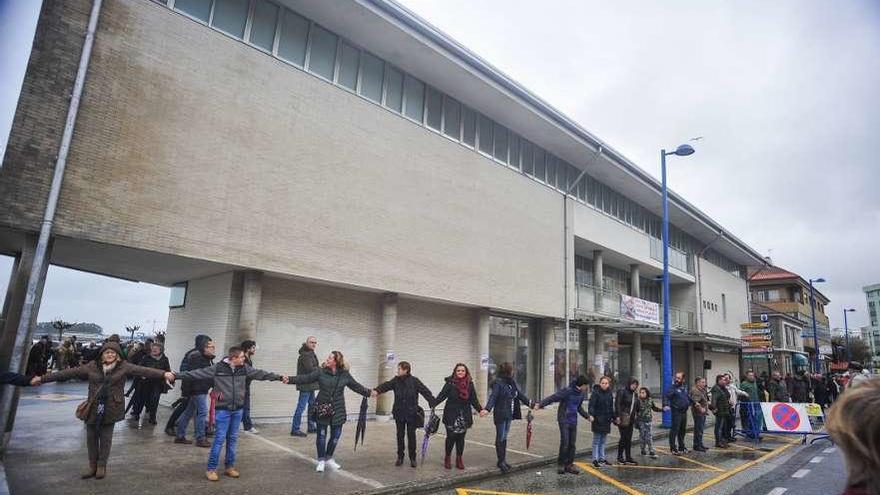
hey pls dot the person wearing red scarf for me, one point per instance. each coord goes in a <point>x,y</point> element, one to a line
<point>460,396</point>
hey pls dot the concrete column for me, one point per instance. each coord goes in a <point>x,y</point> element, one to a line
<point>251,295</point>
<point>598,279</point>
<point>481,375</point>
<point>12,305</point>
<point>636,357</point>
<point>548,361</point>
<point>635,286</point>
<point>691,368</point>
<point>387,351</point>
<point>599,351</point>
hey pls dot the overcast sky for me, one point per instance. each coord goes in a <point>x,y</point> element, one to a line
<point>784,93</point>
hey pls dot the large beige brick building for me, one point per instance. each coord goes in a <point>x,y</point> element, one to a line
<point>343,169</point>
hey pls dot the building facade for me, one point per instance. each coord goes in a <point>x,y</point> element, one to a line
<point>344,170</point>
<point>871,333</point>
<point>787,335</point>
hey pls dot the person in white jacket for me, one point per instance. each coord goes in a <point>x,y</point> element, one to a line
<point>735,394</point>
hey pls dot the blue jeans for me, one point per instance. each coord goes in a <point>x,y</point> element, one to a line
<point>198,406</point>
<point>305,401</point>
<point>246,411</point>
<point>501,431</point>
<point>599,446</point>
<point>226,424</point>
<point>326,446</point>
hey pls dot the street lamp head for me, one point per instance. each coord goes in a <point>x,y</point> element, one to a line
<point>849,310</point>
<point>684,150</point>
<point>817,280</point>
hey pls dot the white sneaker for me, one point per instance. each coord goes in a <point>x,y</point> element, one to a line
<point>333,464</point>
<point>253,430</point>
<point>320,467</point>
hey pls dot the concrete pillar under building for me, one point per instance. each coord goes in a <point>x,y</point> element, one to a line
<point>598,278</point>
<point>481,370</point>
<point>691,367</point>
<point>636,357</point>
<point>635,289</point>
<point>387,351</point>
<point>599,353</point>
<point>251,296</point>
<point>548,382</point>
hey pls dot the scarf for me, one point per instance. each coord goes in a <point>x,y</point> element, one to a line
<point>463,386</point>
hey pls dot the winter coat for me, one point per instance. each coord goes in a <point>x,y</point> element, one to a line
<point>626,403</point>
<point>645,407</point>
<point>820,392</point>
<point>571,403</point>
<point>504,400</point>
<point>10,378</point>
<point>331,389</point>
<point>800,389</point>
<point>114,407</point>
<point>677,398</point>
<point>455,405</point>
<point>305,364</point>
<point>160,363</point>
<point>230,383</point>
<point>38,357</point>
<point>406,396</point>
<point>720,401</point>
<point>751,388</point>
<point>601,408</point>
<point>778,391</point>
<point>196,359</point>
<point>700,397</point>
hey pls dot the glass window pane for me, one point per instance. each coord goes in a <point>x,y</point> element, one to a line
<point>451,118</point>
<point>469,126</point>
<point>435,108</point>
<point>322,54</point>
<point>200,9</point>
<point>582,189</point>
<point>294,38</point>
<point>414,98</point>
<point>231,16</point>
<point>349,61</point>
<point>540,167</point>
<point>514,151</point>
<point>501,142</point>
<point>528,157</point>
<point>394,89</point>
<point>263,27</point>
<point>372,75</point>
<point>177,298</point>
<point>485,136</point>
<point>551,170</point>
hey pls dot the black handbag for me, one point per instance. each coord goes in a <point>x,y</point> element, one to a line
<point>419,416</point>
<point>324,410</point>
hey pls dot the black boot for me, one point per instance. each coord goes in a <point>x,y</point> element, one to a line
<point>399,461</point>
<point>504,454</point>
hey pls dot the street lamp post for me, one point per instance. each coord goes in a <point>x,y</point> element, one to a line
<point>683,150</point>
<point>846,332</point>
<point>815,331</point>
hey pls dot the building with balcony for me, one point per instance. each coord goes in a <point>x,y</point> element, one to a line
<point>871,333</point>
<point>786,333</point>
<point>345,170</point>
<point>789,294</point>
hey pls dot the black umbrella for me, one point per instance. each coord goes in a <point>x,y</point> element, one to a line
<point>361,429</point>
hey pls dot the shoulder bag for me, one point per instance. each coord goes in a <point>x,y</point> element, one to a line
<point>324,410</point>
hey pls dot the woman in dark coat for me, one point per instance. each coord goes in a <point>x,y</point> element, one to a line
<point>332,379</point>
<point>406,411</point>
<point>504,402</point>
<point>627,406</point>
<point>106,377</point>
<point>460,396</point>
<point>601,414</point>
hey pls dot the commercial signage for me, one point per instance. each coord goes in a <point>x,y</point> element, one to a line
<point>757,356</point>
<point>639,309</point>
<point>757,341</point>
<point>755,325</point>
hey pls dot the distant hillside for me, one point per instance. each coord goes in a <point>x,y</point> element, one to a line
<point>45,328</point>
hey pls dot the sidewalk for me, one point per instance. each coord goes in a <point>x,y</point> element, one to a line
<point>47,452</point>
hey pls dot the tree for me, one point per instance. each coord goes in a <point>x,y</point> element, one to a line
<point>859,349</point>
<point>61,325</point>
<point>132,329</point>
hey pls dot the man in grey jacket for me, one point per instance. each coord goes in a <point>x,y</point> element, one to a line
<point>230,382</point>
<point>307,363</point>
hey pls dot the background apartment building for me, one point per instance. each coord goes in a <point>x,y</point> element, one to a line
<point>343,169</point>
<point>871,333</point>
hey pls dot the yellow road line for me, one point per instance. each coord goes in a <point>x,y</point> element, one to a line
<point>742,467</point>
<point>468,491</point>
<point>667,468</point>
<point>608,479</point>
<point>687,459</point>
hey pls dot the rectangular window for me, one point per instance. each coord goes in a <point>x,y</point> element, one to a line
<point>263,26</point>
<point>322,52</point>
<point>394,89</point>
<point>514,151</point>
<point>349,63</point>
<point>372,75</point>
<point>528,158</point>
<point>582,189</point>
<point>468,127</point>
<point>485,135</point>
<point>177,297</point>
<point>540,165</point>
<point>551,170</point>
<point>294,38</point>
<point>414,99</point>
<point>200,9</point>
<point>435,109</point>
<point>451,118</point>
<point>501,142</point>
<point>230,16</point>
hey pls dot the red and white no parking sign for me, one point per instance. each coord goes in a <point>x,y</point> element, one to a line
<point>786,417</point>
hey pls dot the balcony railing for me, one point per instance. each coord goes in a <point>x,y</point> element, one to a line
<point>607,303</point>
<point>677,258</point>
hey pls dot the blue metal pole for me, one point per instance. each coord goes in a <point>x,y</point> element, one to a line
<point>815,331</point>
<point>846,332</point>
<point>667,342</point>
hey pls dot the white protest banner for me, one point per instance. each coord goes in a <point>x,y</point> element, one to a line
<point>639,309</point>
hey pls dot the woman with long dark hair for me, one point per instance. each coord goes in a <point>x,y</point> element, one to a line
<point>406,411</point>
<point>626,407</point>
<point>460,396</point>
<point>332,379</point>
<point>505,399</point>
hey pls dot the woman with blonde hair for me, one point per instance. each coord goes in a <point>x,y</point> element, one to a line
<point>854,424</point>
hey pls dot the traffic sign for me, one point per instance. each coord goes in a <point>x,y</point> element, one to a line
<point>757,356</point>
<point>755,325</point>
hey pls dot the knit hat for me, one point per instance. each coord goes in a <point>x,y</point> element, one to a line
<point>111,346</point>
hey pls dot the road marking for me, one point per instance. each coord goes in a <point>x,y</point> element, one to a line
<point>299,455</point>
<point>817,459</point>
<point>829,450</point>
<point>687,459</point>
<point>665,468</point>
<point>800,473</point>
<point>468,491</point>
<point>742,467</point>
<point>777,491</point>
<point>481,444</point>
<point>608,479</point>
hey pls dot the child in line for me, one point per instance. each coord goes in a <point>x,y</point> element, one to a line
<point>644,421</point>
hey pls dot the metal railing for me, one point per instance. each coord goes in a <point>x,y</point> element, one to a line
<point>677,258</point>
<point>607,303</point>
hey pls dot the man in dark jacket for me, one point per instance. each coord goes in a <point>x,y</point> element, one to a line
<point>197,392</point>
<point>250,348</point>
<point>677,400</point>
<point>699,410</point>
<point>38,357</point>
<point>406,411</point>
<point>720,405</point>
<point>307,363</point>
<point>800,387</point>
<point>570,401</point>
<point>777,388</point>
<point>149,389</point>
